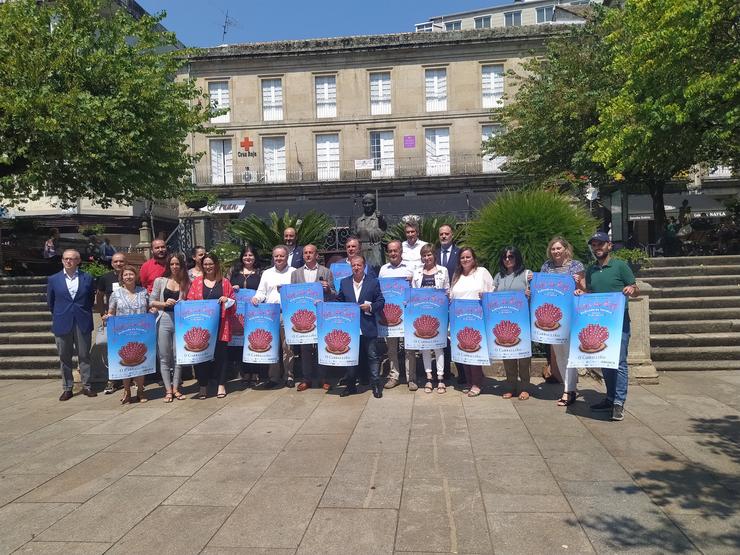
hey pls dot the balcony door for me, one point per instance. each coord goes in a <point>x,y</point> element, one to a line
<point>437,148</point>
<point>273,154</point>
<point>382,153</point>
<point>222,167</point>
<point>327,157</point>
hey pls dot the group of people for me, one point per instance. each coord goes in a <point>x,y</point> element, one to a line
<point>165,280</point>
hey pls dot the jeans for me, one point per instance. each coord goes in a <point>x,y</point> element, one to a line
<point>171,371</point>
<point>369,350</point>
<point>616,380</point>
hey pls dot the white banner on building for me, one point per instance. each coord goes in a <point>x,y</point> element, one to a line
<point>364,164</point>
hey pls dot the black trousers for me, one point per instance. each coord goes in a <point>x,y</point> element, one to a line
<point>213,369</point>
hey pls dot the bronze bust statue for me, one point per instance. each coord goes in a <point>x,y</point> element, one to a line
<point>370,228</point>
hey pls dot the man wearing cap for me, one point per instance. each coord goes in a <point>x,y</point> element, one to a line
<point>612,275</point>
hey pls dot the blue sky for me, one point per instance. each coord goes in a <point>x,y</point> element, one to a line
<point>199,22</point>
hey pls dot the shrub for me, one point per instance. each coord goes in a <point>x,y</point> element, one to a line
<point>528,219</point>
<point>634,257</point>
<point>428,230</point>
<point>95,268</point>
<point>227,253</point>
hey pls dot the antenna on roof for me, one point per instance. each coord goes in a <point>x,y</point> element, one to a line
<point>228,22</point>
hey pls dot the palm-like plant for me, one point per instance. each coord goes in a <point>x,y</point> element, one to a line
<point>528,219</point>
<point>428,230</point>
<point>312,227</point>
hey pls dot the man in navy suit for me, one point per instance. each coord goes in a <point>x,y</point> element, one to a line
<point>365,291</point>
<point>449,257</point>
<point>295,252</point>
<point>70,294</point>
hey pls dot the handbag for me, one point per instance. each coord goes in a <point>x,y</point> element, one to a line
<point>101,335</point>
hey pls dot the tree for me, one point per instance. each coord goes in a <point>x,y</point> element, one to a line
<point>89,106</point>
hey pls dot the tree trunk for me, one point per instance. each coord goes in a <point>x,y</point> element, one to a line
<point>656,186</point>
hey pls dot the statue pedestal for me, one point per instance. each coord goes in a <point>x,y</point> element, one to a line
<point>641,368</point>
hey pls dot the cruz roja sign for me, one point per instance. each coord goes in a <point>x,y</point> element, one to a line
<point>246,144</point>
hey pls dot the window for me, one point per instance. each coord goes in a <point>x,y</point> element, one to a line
<point>218,92</point>
<point>513,19</point>
<point>381,151</point>
<point>453,25</point>
<point>272,99</point>
<point>273,155</point>
<point>327,157</point>
<point>544,14</point>
<point>437,148</point>
<point>424,27</point>
<point>491,162</point>
<point>493,85</point>
<point>326,96</point>
<point>221,162</point>
<point>436,89</point>
<point>483,22</point>
<point>380,93</point>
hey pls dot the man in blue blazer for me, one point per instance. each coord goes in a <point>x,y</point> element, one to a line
<point>295,251</point>
<point>449,257</point>
<point>70,294</point>
<point>365,291</point>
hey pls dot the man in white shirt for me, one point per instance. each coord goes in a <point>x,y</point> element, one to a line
<point>412,245</point>
<point>268,291</point>
<point>395,268</point>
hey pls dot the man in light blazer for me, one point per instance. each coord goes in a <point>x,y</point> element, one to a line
<point>70,294</point>
<point>312,272</point>
<point>365,291</point>
<point>448,256</point>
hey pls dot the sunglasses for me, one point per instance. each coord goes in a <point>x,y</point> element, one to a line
<point>508,257</point>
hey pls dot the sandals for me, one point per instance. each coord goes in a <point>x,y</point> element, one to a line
<point>473,393</point>
<point>179,396</point>
<point>202,394</point>
<point>126,399</point>
<point>507,395</point>
<point>568,398</point>
<point>428,387</point>
<point>523,396</point>
<point>441,387</point>
<point>140,395</point>
<point>168,398</point>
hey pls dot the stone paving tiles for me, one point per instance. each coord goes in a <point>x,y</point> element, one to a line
<point>284,473</point>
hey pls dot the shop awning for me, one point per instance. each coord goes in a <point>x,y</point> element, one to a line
<point>641,206</point>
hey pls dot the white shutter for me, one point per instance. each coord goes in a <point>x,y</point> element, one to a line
<point>327,157</point>
<point>383,154</point>
<point>272,99</point>
<point>493,86</point>
<point>221,162</point>
<point>273,154</point>
<point>380,93</point>
<point>436,89</point>
<point>491,162</point>
<point>218,92</point>
<point>437,147</point>
<point>326,96</point>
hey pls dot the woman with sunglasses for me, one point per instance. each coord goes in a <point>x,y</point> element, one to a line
<point>512,276</point>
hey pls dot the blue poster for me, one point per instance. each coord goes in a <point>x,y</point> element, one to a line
<point>507,324</point>
<point>262,334</point>
<point>340,270</point>
<point>339,334</point>
<point>196,330</point>
<point>298,302</point>
<point>425,325</point>
<point>390,319</point>
<point>132,346</point>
<point>596,333</point>
<point>551,307</point>
<point>468,333</point>
<point>243,296</point>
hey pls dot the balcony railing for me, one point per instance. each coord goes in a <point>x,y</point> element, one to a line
<point>345,170</point>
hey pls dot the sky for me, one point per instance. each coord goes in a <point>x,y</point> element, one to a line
<point>200,22</point>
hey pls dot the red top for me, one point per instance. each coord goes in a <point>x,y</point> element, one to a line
<point>195,293</point>
<point>150,271</point>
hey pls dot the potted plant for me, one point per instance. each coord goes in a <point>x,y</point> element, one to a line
<point>195,200</point>
<point>91,230</point>
<point>635,258</point>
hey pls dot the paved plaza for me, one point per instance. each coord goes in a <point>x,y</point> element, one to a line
<point>282,472</point>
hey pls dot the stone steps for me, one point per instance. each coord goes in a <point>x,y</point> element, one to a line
<point>25,337</point>
<point>6,289</point>
<point>45,363</point>
<point>694,339</point>
<point>18,349</point>
<point>695,302</point>
<point>695,365</point>
<point>39,297</point>
<point>20,326</point>
<point>687,271</point>
<point>715,352</point>
<point>678,261</point>
<point>705,291</point>
<point>690,314</point>
<point>697,281</point>
<point>694,327</point>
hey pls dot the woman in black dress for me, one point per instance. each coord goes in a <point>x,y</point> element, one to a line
<point>246,274</point>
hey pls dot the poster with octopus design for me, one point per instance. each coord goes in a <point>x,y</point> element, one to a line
<point>262,334</point>
<point>243,296</point>
<point>596,332</point>
<point>339,334</point>
<point>426,319</point>
<point>298,301</point>
<point>506,314</point>
<point>132,346</point>
<point>196,330</point>
<point>551,307</point>
<point>468,343</point>
<point>390,319</point>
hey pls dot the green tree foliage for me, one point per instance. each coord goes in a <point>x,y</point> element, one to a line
<point>428,230</point>
<point>528,219</point>
<point>311,228</point>
<point>89,105</point>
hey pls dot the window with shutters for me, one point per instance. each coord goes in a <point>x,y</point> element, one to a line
<point>218,92</point>
<point>512,19</point>
<point>437,148</point>
<point>327,157</point>
<point>492,85</point>
<point>273,156</point>
<point>380,93</point>
<point>483,22</point>
<point>382,153</point>
<point>222,166</point>
<point>326,96</point>
<point>435,81</point>
<point>453,25</point>
<point>544,14</point>
<point>491,162</point>
<point>272,99</point>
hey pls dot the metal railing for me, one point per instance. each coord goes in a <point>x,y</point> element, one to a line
<point>345,170</point>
